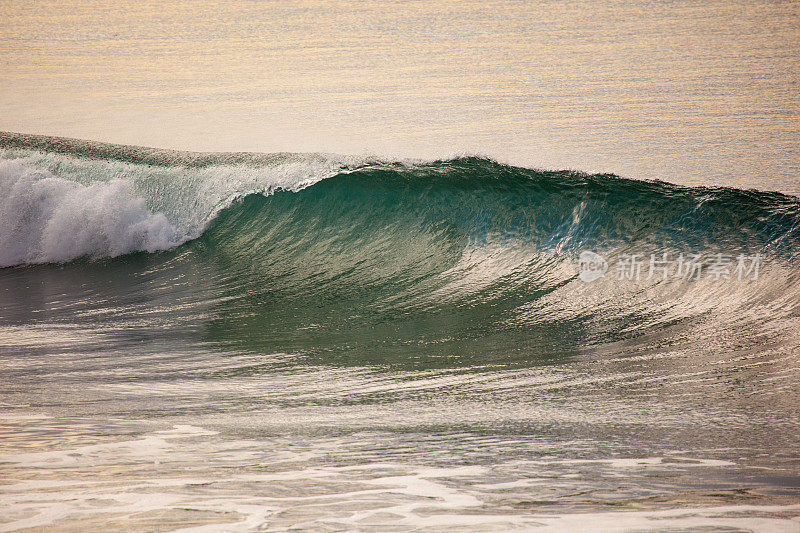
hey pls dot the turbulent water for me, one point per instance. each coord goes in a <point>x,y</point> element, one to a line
<point>238,341</point>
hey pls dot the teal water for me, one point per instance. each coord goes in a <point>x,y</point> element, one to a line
<point>235,342</point>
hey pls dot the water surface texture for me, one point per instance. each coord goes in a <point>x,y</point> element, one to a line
<point>697,91</point>
<point>242,341</point>
<point>338,295</point>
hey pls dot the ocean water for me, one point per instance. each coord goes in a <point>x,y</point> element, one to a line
<point>238,342</point>
<point>400,266</point>
<point>694,91</point>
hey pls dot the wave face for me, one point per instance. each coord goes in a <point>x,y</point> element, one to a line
<point>315,250</point>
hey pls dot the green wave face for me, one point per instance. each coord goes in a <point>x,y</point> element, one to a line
<point>459,262</point>
<point>468,258</point>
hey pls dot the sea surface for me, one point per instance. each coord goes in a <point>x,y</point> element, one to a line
<point>400,266</point>
<point>691,91</point>
<point>238,342</point>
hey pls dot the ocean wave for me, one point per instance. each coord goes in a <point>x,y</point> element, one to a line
<point>127,199</point>
<point>336,257</point>
<point>64,199</point>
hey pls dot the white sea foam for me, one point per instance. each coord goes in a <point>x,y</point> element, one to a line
<point>291,489</point>
<point>48,219</point>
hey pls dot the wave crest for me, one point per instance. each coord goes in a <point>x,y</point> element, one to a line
<point>64,199</point>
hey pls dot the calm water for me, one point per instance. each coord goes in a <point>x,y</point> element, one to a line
<point>376,341</point>
<point>690,91</point>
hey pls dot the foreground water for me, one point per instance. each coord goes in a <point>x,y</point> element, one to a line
<point>231,342</point>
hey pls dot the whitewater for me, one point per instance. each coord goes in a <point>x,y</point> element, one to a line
<point>243,341</point>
